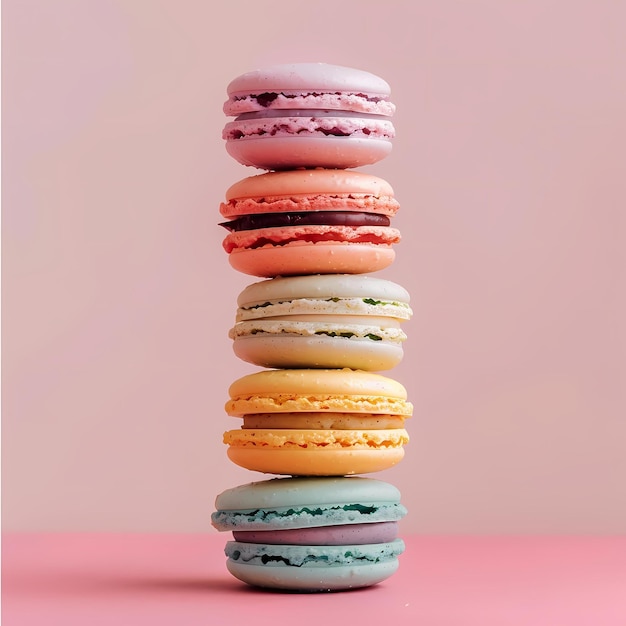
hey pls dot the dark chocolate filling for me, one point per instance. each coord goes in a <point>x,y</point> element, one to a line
<point>308,218</point>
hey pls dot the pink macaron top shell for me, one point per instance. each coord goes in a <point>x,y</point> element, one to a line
<point>309,86</point>
<point>347,534</point>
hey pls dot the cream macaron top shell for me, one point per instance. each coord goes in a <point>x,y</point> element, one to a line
<point>340,293</point>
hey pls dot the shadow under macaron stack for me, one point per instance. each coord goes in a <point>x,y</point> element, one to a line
<point>318,413</point>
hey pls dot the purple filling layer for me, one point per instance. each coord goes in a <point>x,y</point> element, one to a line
<point>347,534</point>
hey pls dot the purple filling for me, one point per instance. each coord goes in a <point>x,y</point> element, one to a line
<point>347,534</point>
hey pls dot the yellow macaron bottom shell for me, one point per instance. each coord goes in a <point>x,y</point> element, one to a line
<point>283,438</point>
<point>316,461</point>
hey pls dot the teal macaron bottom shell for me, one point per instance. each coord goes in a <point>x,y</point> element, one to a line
<point>313,568</point>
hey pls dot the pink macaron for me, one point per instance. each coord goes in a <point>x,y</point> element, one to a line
<point>305,115</point>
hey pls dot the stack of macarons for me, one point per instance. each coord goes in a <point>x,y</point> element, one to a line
<point>318,413</point>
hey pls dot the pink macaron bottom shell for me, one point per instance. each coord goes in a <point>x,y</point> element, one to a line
<point>304,123</point>
<point>346,534</point>
<point>302,257</point>
<point>281,152</point>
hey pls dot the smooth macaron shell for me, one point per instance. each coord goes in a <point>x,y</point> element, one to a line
<point>301,257</point>
<point>308,86</point>
<point>308,115</point>
<point>293,151</point>
<point>337,461</point>
<point>313,568</point>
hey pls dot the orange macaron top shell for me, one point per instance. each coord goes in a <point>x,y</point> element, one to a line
<point>317,221</point>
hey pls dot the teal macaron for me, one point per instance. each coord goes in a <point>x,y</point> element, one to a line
<point>311,534</point>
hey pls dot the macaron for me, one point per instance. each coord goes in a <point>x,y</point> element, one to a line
<point>322,321</point>
<point>310,222</point>
<point>317,422</point>
<point>311,534</point>
<point>308,115</point>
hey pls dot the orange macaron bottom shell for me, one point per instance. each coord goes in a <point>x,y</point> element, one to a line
<point>315,461</point>
<point>303,257</point>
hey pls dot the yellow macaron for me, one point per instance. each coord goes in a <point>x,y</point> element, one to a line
<point>306,422</point>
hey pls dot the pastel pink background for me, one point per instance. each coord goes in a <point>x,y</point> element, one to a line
<point>117,296</point>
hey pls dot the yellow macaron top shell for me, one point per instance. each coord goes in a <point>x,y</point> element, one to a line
<point>313,390</point>
<point>317,382</point>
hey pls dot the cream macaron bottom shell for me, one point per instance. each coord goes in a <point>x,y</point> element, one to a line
<point>303,257</point>
<point>318,351</point>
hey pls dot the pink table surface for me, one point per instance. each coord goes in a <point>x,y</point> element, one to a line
<point>126,579</point>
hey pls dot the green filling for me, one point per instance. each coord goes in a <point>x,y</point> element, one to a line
<point>267,515</point>
<point>347,334</point>
<point>370,301</point>
<point>377,302</point>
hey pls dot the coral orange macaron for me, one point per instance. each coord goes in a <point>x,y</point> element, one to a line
<point>317,221</point>
<point>306,422</point>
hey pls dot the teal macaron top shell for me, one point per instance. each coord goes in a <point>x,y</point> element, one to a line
<point>282,503</point>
